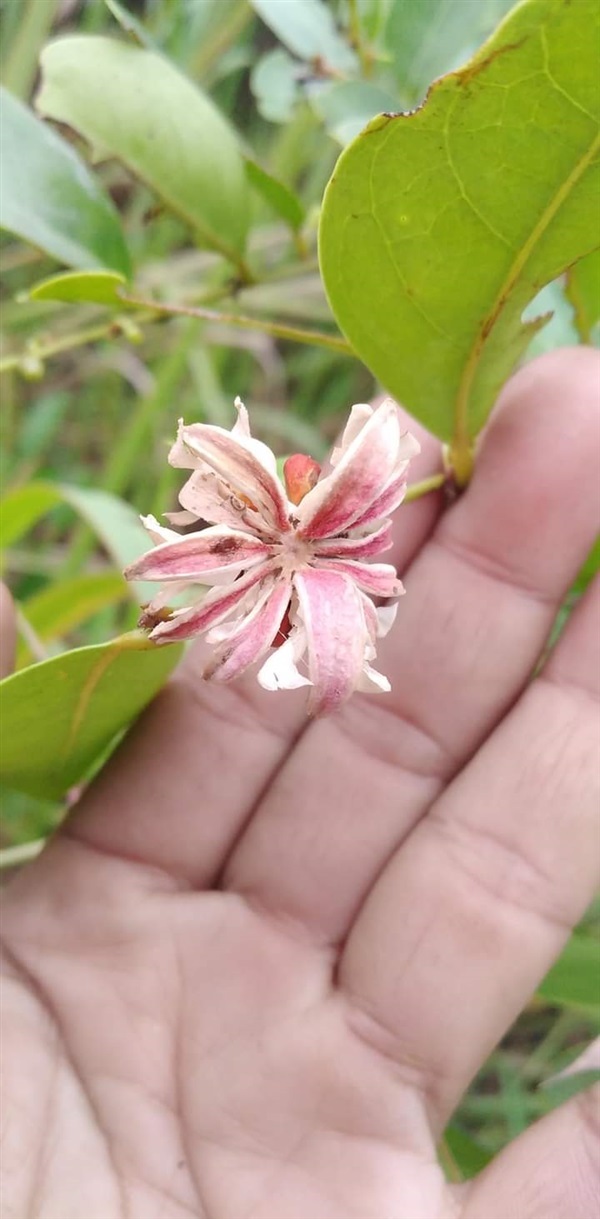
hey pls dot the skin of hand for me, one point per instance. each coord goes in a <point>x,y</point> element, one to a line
<point>254,972</point>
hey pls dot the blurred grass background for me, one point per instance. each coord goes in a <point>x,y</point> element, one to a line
<point>102,413</point>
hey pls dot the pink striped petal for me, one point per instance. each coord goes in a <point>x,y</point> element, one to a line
<point>344,496</point>
<point>253,637</point>
<point>356,547</point>
<point>376,579</point>
<point>384,504</point>
<point>206,497</point>
<point>247,476</point>
<point>213,608</point>
<point>359,415</point>
<point>333,619</point>
<point>207,557</point>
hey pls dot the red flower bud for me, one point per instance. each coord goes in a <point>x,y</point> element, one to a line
<point>300,473</point>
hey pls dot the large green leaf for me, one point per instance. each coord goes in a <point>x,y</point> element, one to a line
<point>133,104</point>
<point>61,715</point>
<point>438,227</point>
<point>65,604</point>
<point>428,37</point>
<point>48,197</point>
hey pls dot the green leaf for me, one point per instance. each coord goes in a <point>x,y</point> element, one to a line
<point>590,568</point>
<point>115,524</point>
<point>63,606</point>
<point>462,1154</point>
<point>129,23</point>
<point>558,1091</point>
<point>133,104</point>
<point>307,28</point>
<point>575,978</point>
<point>99,287</point>
<point>48,197</point>
<point>60,715</point>
<point>279,197</point>
<point>438,227</point>
<point>583,291</point>
<point>428,37</point>
<point>275,83</point>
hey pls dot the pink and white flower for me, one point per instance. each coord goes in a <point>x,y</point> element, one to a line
<point>286,560</point>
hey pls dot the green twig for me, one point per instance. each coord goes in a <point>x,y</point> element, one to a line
<point>416,490</point>
<point>357,40</point>
<point>278,330</point>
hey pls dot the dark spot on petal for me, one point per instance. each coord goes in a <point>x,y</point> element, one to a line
<point>225,546</point>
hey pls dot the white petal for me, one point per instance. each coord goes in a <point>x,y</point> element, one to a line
<point>159,533</point>
<point>373,682</point>
<point>386,616</point>
<point>280,671</point>
<point>359,415</point>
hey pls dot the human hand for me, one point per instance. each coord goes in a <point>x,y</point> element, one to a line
<point>257,968</point>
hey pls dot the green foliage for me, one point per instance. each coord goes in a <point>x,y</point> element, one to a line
<point>62,606</point>
<point>583,291</point>
<point>575,978</point>
<point>60,715</point>
<point>221,120</point>
<point>99,287</point>
<point>434,36</point>
<point>448,221</point>
<point>48,197</point>
<point>282,201</point>
<point>114,523</point>
<point>132,103</point>
<point>307,28</point>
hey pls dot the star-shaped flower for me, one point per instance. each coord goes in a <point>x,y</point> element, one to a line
<point>287,563</point>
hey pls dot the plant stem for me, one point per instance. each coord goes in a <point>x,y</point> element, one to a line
<point>416,490</point>
<point>357,40</point>
<point>294,334</point>
<point>41,351</point>
<point>36,20</point>
<point>460,459</point>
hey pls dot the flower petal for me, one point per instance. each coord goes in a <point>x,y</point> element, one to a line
<point>376,579</point>
<point>359,415</point>
<point>208,557</point>
<point>345,495</point>
<point>334,622</point>
<point>253,637</point>
<point>356,547</point>
<point>372,682</point>
<point>206,497</point>
<point>159,533</point>
<point>280,671</point>
<point>213,608</point>
<point>242,464</point>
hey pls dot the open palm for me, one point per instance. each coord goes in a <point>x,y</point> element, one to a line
<point>256,970</point>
